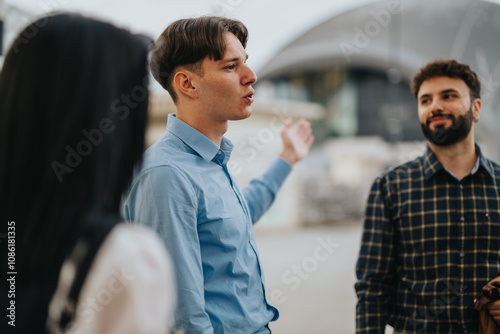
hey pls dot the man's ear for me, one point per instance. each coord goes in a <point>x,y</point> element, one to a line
<point>476,109</point>
<point>183,84</point>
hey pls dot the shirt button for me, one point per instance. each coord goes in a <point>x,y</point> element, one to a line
<point>219,152</point>
<point>462,254</point>
<point>462,219</point>
<point>461,186</point>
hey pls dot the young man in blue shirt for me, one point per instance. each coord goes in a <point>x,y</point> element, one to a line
<point>185,191</point>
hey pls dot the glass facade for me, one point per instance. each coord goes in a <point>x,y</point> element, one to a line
<point>358,101</point>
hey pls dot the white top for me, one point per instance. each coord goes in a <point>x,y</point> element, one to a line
<point>130,286</point>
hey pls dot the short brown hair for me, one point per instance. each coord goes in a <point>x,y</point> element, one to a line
<point>187,42</point>
<point>447,68</point>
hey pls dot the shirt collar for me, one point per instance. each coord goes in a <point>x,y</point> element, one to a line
<point>432,164</point>
<point>198,142</point>
<point>226,147</point>
<point>484,162</point>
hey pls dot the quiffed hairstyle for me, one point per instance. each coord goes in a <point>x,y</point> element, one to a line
<point>60,85</point>
<point>187,42</point>
<point>447,68</point>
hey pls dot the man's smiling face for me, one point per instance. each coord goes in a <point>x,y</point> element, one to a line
<point>445,110</point>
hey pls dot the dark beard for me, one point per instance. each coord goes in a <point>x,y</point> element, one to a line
<point>457,132</point>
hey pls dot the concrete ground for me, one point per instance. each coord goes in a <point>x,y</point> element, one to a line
<point>310,277</point>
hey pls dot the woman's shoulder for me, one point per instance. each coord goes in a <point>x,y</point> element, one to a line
<point>134,249</point>
<point>127,239</point>
<point>130,272</point>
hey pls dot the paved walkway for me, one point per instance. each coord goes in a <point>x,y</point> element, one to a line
<point>310,277</point>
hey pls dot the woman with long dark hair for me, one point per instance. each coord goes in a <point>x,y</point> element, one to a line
<point>73,109</point>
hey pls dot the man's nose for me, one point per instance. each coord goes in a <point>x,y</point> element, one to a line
<point>436,106</point>
<point>249,77</point>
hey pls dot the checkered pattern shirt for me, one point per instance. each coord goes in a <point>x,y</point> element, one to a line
<point>429,244</point>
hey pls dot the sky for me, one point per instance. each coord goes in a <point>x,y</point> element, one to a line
<point>272,24</point>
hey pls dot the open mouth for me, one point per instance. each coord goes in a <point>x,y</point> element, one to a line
<point>249,97</point>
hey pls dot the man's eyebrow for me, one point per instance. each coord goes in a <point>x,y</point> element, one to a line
<point>233,59</point>
<point>446,91</point>
<point>451,90</point>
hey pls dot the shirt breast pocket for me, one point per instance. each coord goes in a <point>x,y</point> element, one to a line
<point>488,223</point>
<point>483,237</point>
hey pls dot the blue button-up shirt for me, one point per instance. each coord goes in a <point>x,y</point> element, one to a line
<point>185,192</point>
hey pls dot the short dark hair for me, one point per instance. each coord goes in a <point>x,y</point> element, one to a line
<point>59,87</point>
<point>187,42</point>
<point>447,68</point>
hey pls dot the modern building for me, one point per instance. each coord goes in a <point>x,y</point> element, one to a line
<point>358,64</point>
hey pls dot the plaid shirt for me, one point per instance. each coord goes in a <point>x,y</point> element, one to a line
<point>429,244</point>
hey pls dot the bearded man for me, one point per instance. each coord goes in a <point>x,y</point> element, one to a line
<point>431,237</point>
